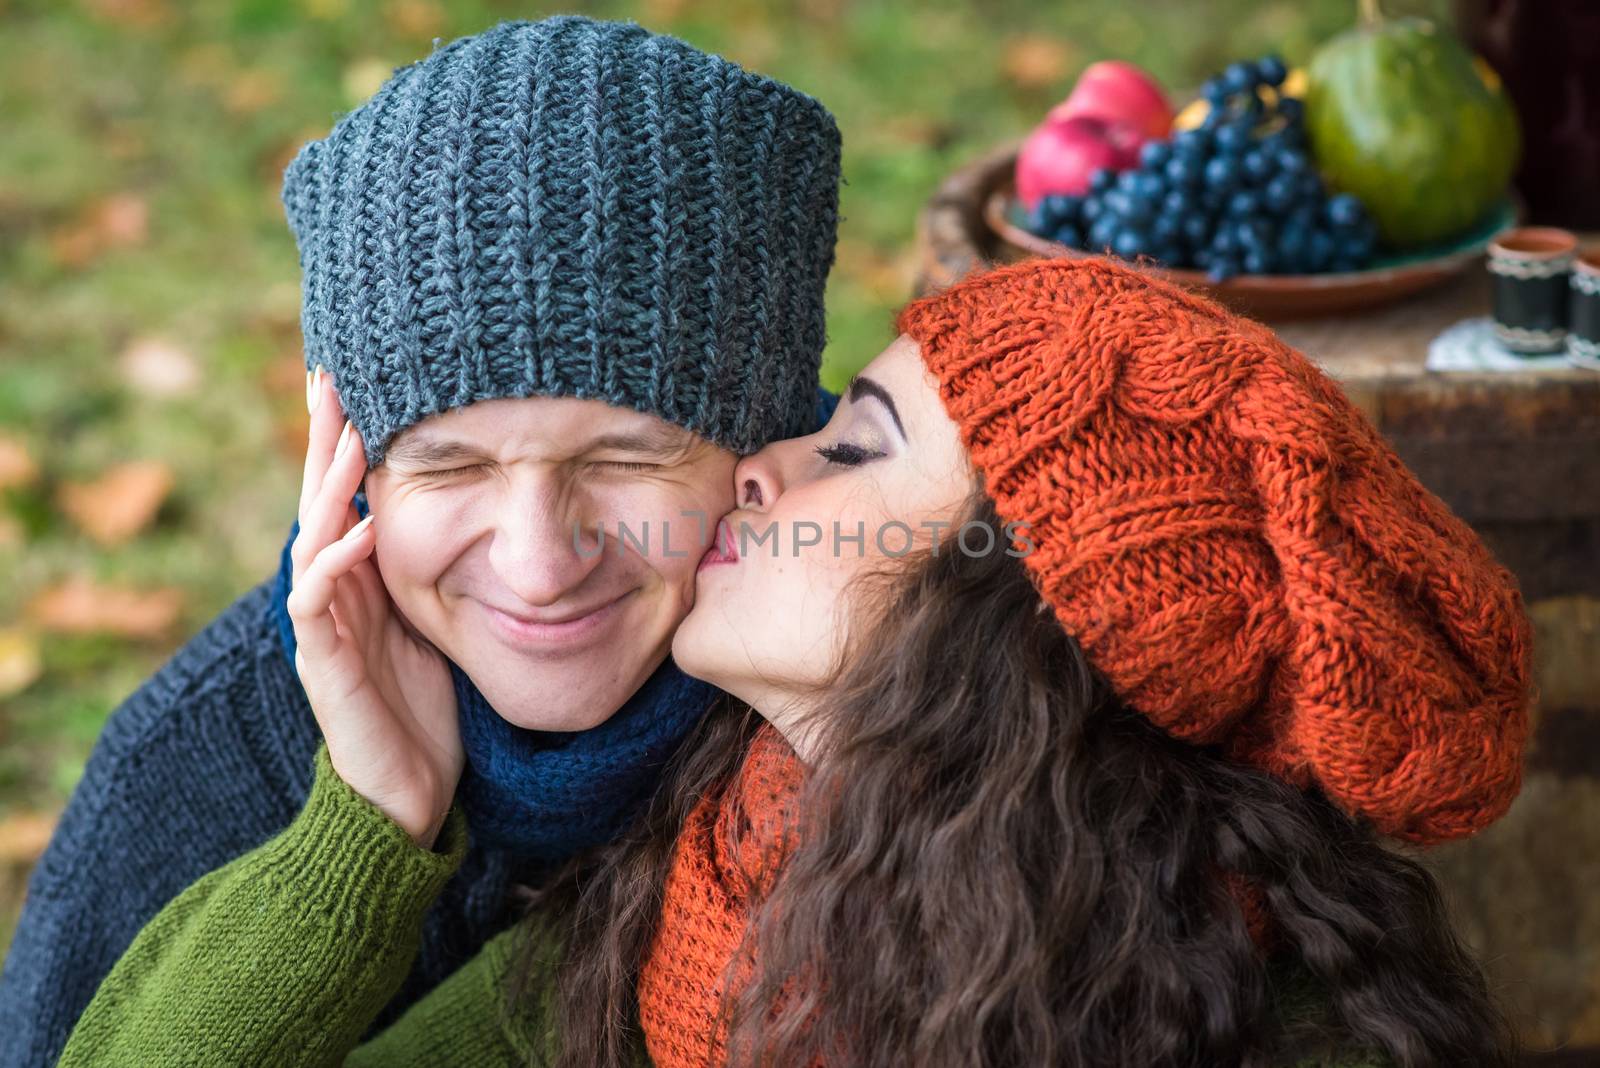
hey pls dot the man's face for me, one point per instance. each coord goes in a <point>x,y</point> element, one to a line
<point>477,511</point>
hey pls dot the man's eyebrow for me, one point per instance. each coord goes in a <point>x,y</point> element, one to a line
<point>861,385</point>
<point>425,451</point>
<point>660,441</point>
<point>655,441</point>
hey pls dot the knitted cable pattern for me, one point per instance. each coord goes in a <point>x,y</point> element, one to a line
<point>571,207</point>
<point>1235,546</point>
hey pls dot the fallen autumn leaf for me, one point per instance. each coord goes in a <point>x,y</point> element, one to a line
<point>80,605</point>
<point>120,503</point>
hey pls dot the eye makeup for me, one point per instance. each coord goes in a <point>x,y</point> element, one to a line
<point>847,454</point>
<point>861,386</point>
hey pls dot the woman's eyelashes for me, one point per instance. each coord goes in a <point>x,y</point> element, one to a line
<point>847,454</point>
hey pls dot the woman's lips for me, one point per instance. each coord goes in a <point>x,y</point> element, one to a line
<point>724,548</point>
<point>570,630</point>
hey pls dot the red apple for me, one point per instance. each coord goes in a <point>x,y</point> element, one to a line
<point>1061,154</point>
<point>1115,91</point>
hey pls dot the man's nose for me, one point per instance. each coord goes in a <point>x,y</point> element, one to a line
<point>543,547</point>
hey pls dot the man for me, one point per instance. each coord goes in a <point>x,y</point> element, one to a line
<point>561,274</point>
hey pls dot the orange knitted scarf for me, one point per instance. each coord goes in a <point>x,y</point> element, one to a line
<point>726,858</point>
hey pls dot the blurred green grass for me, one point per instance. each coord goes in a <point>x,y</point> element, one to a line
<point>191,110</point>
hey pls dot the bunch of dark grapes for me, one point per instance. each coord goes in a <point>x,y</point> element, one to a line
<point>1238,194</point>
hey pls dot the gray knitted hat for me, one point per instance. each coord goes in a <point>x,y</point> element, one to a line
<point>571,207</point>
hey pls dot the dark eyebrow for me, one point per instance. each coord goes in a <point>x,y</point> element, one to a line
<point>861,385</point>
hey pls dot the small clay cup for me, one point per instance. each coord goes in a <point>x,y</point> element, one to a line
<point>1583,309</point>
<point>1530,265</point>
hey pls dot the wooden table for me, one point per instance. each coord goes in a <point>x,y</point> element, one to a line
<point>1516,454</point>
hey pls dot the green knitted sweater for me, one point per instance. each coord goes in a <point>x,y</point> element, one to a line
<point>285,956</point>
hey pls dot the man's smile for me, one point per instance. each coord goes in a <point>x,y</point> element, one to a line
<point>556,630</point>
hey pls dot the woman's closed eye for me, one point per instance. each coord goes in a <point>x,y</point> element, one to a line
<point>847,454</point>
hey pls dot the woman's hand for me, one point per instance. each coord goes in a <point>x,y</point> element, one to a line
<point>382,696</point>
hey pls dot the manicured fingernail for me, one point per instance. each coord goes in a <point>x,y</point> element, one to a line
<point>344,440</point>
<point>355,532</point>
<point>308,392</point>
<point>314,398</point>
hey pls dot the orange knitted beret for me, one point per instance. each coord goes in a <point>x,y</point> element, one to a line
<point>1233,544</point>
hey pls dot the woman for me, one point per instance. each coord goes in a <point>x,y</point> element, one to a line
<point>1107,792</point>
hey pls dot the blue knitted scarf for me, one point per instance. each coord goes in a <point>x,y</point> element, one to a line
<point>545,795</point>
